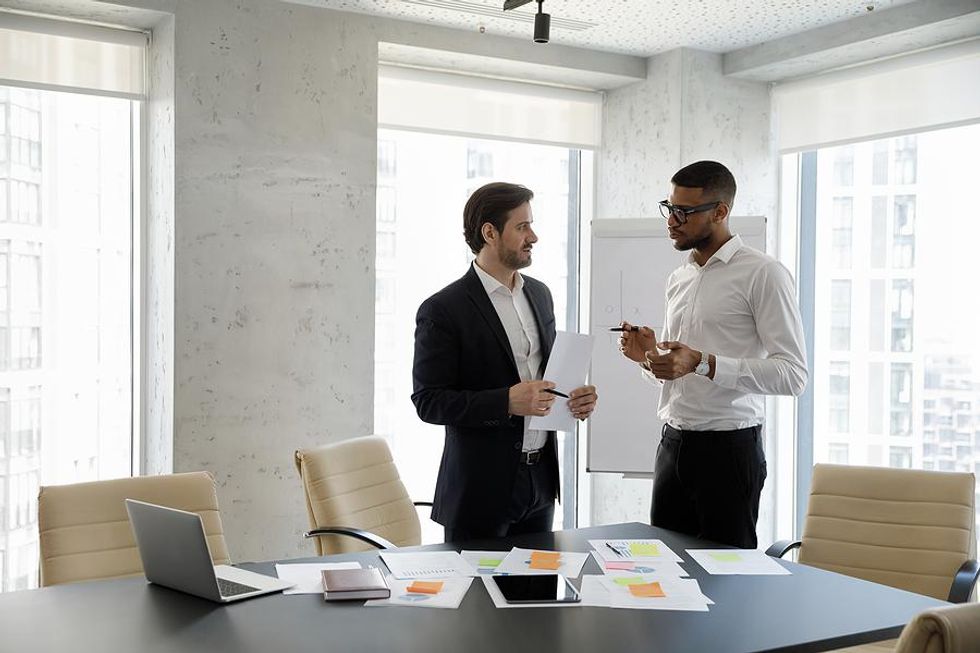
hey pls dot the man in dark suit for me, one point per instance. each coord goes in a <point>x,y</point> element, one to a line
<point>481,347</point>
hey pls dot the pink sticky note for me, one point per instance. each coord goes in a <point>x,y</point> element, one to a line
<point>620,565</point>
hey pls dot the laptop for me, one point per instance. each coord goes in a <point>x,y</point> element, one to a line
<point>175,554</point>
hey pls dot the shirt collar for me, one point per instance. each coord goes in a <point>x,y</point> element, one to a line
<point>724,253</point>
<point>491,285</point>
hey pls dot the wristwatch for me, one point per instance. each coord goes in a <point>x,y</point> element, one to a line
<point>703,367</point>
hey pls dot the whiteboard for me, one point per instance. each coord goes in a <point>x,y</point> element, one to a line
<point>631,260</point>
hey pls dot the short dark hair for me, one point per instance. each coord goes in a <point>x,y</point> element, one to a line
<point>714,180</point>
<point>491,203</point>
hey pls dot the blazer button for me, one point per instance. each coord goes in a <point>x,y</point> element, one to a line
<point>517,446</point>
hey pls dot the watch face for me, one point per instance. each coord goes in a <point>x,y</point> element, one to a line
<point>702,369</point>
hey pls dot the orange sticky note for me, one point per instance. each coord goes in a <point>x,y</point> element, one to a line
<point>545,560</point>
<point>647,590</point>
<point>424,587</point>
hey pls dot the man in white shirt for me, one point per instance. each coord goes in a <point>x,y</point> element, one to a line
<point>732,334</point>
<point>481,347</point>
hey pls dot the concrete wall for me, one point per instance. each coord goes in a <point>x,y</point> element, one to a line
<point>686,110</point>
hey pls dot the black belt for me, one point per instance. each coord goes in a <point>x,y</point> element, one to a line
<point>709,437</point>
<point>531,457</point>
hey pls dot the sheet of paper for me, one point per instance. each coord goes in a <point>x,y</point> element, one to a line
<point>652,550</point>
<point>745,562</point>
<point>485,562</point>
<point>437,565</point>
<point>568,367</point>
<point>500,602</point>
<point>519,561</point>
<point>655,593</point>
<point>449,595</point>
<point>307,575</point>
<point>629,567</point>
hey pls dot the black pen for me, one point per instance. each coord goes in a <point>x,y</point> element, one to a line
<point>629,328</point>
<point>614,550</point>
<point>556,393</point>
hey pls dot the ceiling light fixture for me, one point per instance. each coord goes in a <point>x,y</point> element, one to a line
<point>542,21</point>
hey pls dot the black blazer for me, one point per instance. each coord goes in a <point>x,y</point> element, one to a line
<point>462,372</point>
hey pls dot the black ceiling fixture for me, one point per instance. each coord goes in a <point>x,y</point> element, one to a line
<point>542,21</point>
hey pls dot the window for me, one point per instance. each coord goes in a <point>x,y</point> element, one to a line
<point>431,253</point>
<point>840,397</point>
<point>843,210</point>
<point>900,457</point>
<point>901,399</point>
<point>879,165</point>
<point>837,453</point>
<point>902,309</point>
<point>879,231</point>
<point>844,167</point>
<point>906,156</point>
<point>840,319</point>
<point>903,233</point>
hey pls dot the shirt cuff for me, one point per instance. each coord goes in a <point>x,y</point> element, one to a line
<point>726,371</point>
<point>649,377</point>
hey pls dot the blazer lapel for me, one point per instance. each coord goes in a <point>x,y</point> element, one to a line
<point>478,295</point>
<point>538,307</point>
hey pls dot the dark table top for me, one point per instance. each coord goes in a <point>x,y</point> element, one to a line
<point>809,610</point>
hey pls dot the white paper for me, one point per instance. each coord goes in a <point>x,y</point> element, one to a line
<point>680,594</point>
<point>568,367</point>
<point>500,602</point>
<point>623,551</point>
<point>306,576</point>
<point>437,565</point>
<point>666,568</point>
<point>745,562</point>
<point>450,596</point>
<point>474,558</point>
<point>518,561</point>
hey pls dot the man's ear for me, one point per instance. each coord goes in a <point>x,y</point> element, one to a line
<point>721,212</point>
<point>489,232</point>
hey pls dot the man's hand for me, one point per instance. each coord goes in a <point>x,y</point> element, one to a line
<point>678,361</point>
<point>581,401</point>
<point>635,344</point>
<point>529,398</point>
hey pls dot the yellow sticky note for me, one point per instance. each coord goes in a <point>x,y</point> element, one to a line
<point>725,556</point>
<point>644,549</point>
<point>425,587</point>
<point>545,560</point>
<point>628,580</point>
<point>647,590</point>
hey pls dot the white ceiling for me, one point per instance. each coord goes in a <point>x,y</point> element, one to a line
<point>636,27</point>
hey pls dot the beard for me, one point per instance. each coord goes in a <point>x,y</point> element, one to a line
<point>694,242</point>
<point>513,259</point>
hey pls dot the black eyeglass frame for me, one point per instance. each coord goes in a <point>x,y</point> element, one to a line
<point>680,213</point>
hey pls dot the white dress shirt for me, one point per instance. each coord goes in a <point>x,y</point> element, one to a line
<point>741,307</point>
<point>514,311</point>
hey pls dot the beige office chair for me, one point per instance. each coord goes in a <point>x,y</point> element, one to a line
<point>910,529</point>
<point>355,498</point>
<point>955,629</point>
<point>85,530</point>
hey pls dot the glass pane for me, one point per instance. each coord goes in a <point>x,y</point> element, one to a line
<point>420,249</point>
<point>65,306</point>
<point>895,331</point>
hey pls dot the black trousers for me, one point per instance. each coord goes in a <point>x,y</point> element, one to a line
<point>708,483</point>
<point>531,507</point>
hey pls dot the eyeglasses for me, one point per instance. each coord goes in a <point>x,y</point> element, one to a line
<point>680,213</point>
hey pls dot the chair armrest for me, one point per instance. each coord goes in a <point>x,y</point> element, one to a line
<point>423,503</point>
<point>376,541</point>
<point>781,547</point>
<point>964,581</point>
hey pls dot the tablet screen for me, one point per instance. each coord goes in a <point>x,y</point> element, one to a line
<point>539,588</point>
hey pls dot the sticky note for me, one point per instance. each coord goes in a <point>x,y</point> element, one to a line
<point>489,562</point>
<point>724,556</point>
<point>647,590</point>
<point>620,565</point>
<point>628,580</point>
<point>425,587</point>
<point>644,549</point>
<point>545,560</point>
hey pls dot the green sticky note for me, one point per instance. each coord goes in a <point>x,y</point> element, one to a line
<point>628,580</point>
<point>726,556</point>
<point>489,562</point>
<point>644,549</point>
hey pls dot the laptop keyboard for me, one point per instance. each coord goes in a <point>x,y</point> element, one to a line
<point>230,588</point>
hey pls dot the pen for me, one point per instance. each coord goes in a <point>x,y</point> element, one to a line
<point>629,328</point>
<point>556,393</point>
<point>614,550</point>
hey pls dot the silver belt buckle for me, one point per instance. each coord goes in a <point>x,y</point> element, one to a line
<point>532,457</point>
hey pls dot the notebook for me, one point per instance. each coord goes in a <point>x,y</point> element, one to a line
<point>348,584</point>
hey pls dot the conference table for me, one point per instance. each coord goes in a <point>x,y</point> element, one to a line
<point>808,610</point>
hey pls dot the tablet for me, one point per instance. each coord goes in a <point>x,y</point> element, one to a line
<point>538,588</point>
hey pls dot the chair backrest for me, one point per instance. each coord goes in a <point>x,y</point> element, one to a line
<point>355,483</point>
<point>905,528</point>
<point>85,531</point>
<point>953,629</point>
